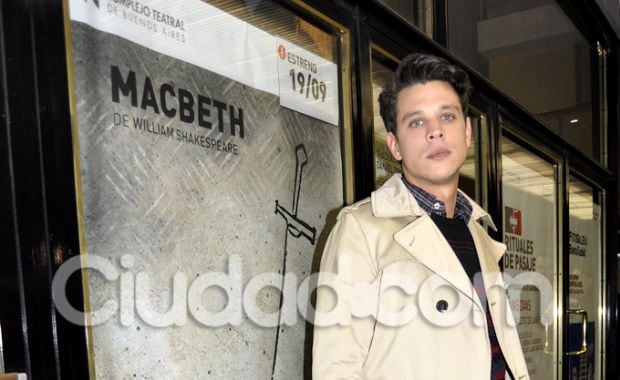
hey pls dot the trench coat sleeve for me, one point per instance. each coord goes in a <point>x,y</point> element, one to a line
<point>348,268</point>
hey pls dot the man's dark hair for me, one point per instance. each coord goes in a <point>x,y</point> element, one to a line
<point>418,69</point>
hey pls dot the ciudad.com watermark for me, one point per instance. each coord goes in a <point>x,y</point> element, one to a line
<point>392,298</point>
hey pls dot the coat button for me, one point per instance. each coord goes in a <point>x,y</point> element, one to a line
<point>442,305</point>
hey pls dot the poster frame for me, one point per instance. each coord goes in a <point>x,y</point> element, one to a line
<point>342,35</point>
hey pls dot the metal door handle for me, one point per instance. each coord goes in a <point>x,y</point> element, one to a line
<point>584,329</point>
<point>547,349</point>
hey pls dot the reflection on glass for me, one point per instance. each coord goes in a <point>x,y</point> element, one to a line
<point>531,51</point>
<point>530,234</point>
<point>417,12</point>
<point>386,165</point>
<point>471,168</point>
<point>276,20</point>
<point>584,281</point>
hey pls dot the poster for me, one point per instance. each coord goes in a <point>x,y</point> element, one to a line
<point>202,195</point>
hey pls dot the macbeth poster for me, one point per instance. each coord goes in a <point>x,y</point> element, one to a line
<point>205,187</point>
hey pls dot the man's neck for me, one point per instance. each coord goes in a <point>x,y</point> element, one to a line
<point>445,193</point>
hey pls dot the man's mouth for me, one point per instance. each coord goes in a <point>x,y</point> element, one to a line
<point>438,153</point>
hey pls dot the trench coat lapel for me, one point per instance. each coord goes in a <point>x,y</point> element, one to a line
<point>489,263</point>
<point>425,242</point>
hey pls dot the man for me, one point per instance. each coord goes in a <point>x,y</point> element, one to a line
<point>410,286</point>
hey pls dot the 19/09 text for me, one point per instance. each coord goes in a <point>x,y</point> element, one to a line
<point>308,84</point>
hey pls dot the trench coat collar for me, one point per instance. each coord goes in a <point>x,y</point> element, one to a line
<point>394,200</point>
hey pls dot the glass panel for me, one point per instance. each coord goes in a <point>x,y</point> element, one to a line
<point>534,41</point>
<point>530,234</point>
<point>585,294</point>
<point>472,169</point>
<point>1,352</point>
<point>269,16</point>
<point>210,157</point>
<point>417,12</point>
<point>386,165</point>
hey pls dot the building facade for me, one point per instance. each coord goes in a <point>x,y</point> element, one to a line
<point>171,171</point>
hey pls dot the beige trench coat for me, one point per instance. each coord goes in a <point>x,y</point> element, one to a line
<point>369,326</point>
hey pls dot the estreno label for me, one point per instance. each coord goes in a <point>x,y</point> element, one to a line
<point>308,83</point>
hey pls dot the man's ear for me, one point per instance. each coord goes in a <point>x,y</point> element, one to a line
<point>392,143</point>
<point>468,131</point>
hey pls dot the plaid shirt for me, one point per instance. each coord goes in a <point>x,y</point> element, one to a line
<point>431,205</point>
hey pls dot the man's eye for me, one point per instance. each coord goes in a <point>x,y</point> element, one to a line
<point>416,123</point>
<point>448,117</point>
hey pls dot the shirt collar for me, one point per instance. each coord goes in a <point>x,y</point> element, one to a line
<point>431,205</point>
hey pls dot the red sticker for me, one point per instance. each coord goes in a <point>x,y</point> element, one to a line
<point>281,51</point>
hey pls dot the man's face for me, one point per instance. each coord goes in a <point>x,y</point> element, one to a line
<point>432,135</point>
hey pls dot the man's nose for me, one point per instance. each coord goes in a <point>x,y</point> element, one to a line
<point>435,131</point>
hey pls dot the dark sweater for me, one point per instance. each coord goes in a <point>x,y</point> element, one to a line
<point>457,234</point>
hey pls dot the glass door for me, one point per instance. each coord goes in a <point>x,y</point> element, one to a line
<point>559,317</point>
<point>530,198</point>
<point>383,66</point>
<point>585,294</point>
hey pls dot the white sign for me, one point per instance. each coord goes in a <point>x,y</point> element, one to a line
<point>189,30</point>
<point>308,83</point>
<point>205,36</point>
